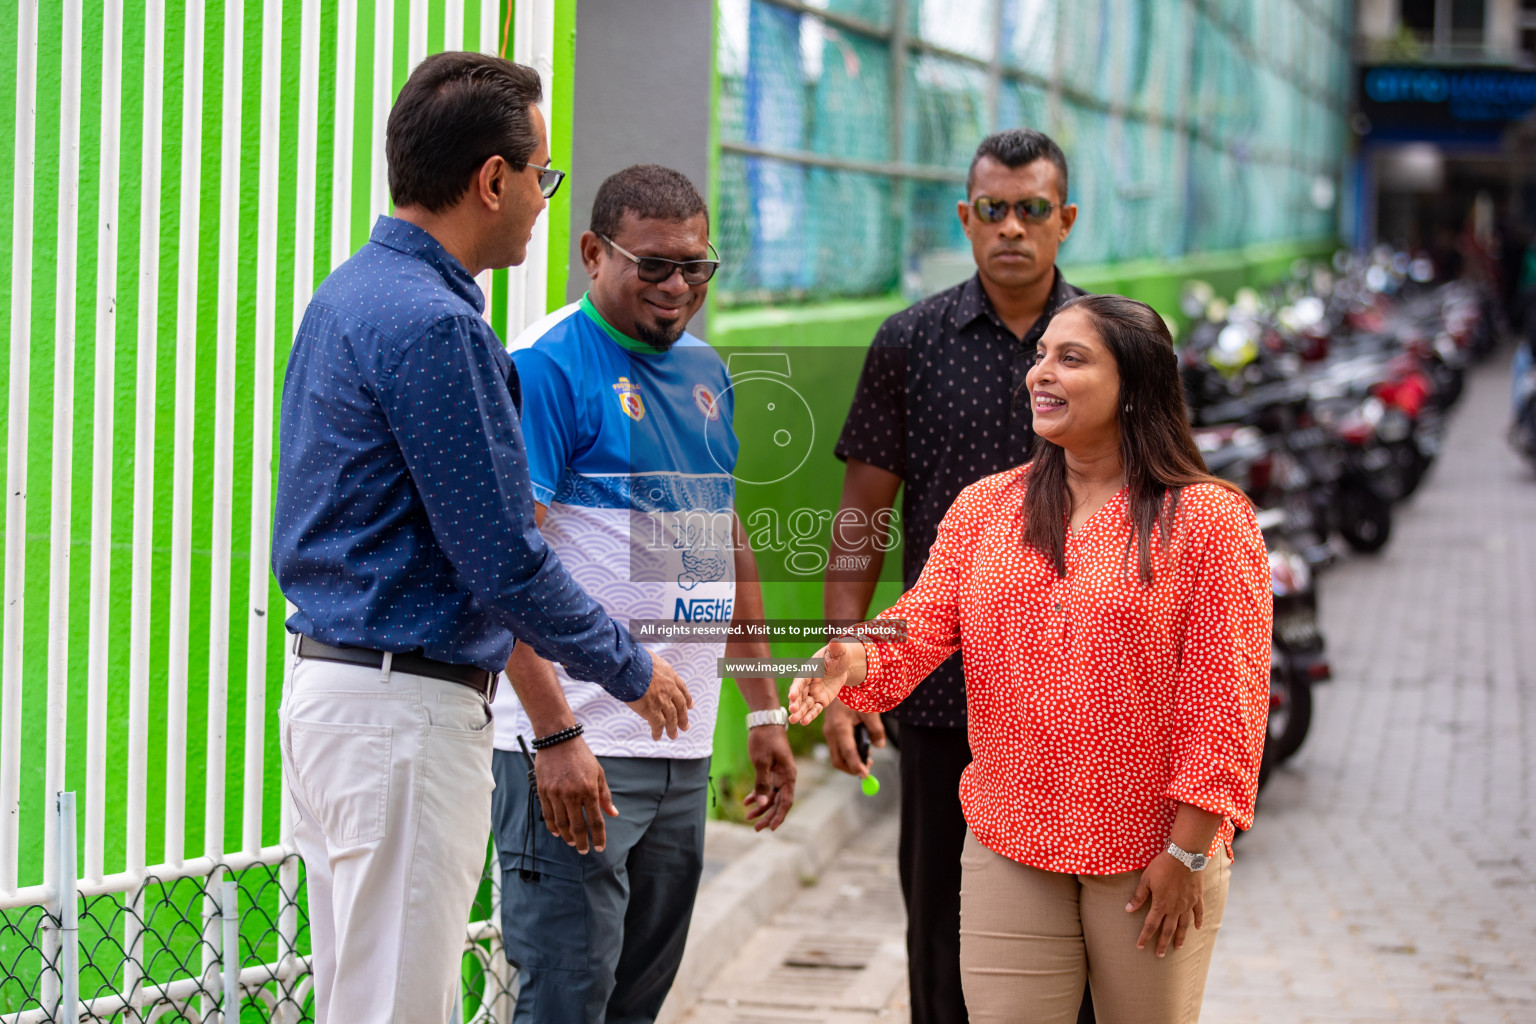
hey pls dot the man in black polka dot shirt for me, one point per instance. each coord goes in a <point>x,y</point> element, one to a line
<point>940,404</point>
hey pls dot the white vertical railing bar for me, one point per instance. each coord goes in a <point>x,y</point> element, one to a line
<point>490,42</point>
<point>69,908</point>
<point>18,409</point>
<point>416,41</point>
<point>141,573</point>
<point>219,541</point>
<point>181,459</point>
<point>229,950</point>
<point>500,967</point>
<point>484,281</point>
<point>257,590</point>
<point>142,579</point>
<point>383,95</point>
<point>453,25</point>
<point>288,872</point>
<point>107,231</point>
<point>490,26</point>
<point>346,115</point>
<point>63,413</point>
<point>533,44</point>
<point>308,143</point>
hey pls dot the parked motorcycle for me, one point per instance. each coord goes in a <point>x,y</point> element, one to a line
<point>1298,658</point>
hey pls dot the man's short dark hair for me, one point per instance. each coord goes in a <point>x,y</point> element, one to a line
<point>646,190</point>
<point>1017,147</point>
<point>456,111</point>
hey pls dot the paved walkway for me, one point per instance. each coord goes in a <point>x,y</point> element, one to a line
<point>1392,872</point>
<point>1391,875</point>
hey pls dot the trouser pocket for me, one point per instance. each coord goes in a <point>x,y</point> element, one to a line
<point>343,771</point>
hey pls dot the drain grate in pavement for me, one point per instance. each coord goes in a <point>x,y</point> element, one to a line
<point>858,896</point>
<point>712,1013</point>
<point>850,953</point>
<point>781,969</point>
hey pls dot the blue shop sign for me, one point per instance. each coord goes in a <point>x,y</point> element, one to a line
<point>1475,97</point>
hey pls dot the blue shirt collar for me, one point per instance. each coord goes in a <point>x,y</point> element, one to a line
<point>403,236</point>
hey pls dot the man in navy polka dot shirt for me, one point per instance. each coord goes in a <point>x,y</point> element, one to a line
<point>404,536</point>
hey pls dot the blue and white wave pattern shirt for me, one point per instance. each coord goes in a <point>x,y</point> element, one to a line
<point>631,450</point>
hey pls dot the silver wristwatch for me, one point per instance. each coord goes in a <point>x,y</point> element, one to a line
<point>778,716</point>
<point>1193,861</point>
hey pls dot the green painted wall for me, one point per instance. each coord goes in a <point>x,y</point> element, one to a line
<point>209,257</point>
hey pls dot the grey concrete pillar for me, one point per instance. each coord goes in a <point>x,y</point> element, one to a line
<point>642,96</point>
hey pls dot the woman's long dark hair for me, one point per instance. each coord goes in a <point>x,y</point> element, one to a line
<point>1157,450</point>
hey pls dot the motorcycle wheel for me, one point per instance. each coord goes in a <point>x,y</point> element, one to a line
<point>1523,434</point>
<point>1290,712</point>
<point>1365,519</point>
<point>1411,465</point>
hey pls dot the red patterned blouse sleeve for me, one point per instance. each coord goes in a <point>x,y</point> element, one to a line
<point>1222,690</point>
<point>930,609</point>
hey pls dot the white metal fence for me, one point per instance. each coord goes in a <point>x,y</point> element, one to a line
<point>98,929</point>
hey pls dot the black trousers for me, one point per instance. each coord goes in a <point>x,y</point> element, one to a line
<point>932,835</point>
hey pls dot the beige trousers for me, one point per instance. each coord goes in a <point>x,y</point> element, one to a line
<point>1028,938</point>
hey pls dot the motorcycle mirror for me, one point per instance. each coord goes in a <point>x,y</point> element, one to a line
<point>1308,311</point>
<point>1194,297</point>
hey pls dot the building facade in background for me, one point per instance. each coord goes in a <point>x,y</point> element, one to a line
<point>1191,127</point>
<point>1445,92</point>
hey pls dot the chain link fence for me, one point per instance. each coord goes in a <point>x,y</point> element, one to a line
<point>847,127</point>
<point>156,954</point>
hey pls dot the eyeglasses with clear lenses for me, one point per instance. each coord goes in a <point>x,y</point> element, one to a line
<point>549,179</point>
<point>995,211</point>
<point>655,270</point>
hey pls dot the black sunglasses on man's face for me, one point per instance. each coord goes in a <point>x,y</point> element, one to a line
<point>655,270</point>
<point>995,211</point>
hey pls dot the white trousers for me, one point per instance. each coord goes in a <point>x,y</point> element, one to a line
<point>390,775</point>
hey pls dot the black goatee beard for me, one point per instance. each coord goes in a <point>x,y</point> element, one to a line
<point>660,340</point>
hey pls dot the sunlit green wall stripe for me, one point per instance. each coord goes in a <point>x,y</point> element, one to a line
<point>208,255</point>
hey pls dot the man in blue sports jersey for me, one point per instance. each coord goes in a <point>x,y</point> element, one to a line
<point>627,420</point>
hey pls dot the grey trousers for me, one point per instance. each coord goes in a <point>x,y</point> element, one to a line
<point>598,937</point>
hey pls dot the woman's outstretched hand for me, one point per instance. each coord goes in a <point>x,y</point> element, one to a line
<point>810,697</point>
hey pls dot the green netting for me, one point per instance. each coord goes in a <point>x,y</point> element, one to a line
<point>946,111</point>
<point>1190,125</point>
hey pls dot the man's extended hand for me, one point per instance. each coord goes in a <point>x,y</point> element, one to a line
<point>666,702</point>
<point>573,794</point>
<point>837,729</point>
<point>774,763</point>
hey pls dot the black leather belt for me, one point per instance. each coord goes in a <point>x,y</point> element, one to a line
<point>477,679</point>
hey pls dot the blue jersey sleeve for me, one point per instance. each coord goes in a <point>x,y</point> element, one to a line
<point>551,429</point>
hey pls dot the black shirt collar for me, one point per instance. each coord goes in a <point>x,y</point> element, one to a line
<point>974,303</point>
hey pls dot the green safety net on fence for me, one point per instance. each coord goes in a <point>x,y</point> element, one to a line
<point>1189,126</point>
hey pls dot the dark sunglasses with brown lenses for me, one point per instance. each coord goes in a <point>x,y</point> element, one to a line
<point>655,270</point>
<point>995,211</point>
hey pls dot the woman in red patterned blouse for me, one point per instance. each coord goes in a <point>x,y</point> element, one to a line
<point>1113,604</point>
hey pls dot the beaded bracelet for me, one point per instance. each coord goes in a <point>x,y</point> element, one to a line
<point>556,738</point>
